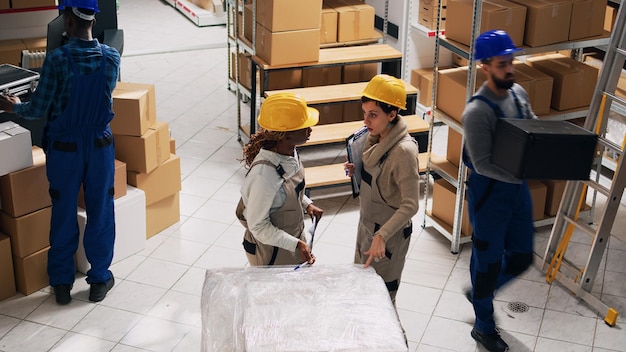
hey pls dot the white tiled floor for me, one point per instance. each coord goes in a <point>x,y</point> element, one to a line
<point>155,304</point>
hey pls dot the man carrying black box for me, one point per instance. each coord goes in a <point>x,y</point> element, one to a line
<point>499,204</point>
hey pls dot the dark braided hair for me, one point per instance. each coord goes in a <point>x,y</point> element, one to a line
<point>263,139</point>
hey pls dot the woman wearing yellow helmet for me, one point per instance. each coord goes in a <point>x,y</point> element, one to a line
<point>272,201</point>
<point>389,189</point>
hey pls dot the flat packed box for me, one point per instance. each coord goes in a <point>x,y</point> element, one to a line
<point>31,272</point>
<point>29,233</point>
<point>328,26</point>
<point>323,76</point>
<point>444,200</point>
<point>496,14</point>
<point>119,183</point>
<point>277,48</point>
<point>26,190</point>
<point>134,105</point>
<point>289,15</point>
<point>162,214</point>
<point>543,149</point>
<point>244,309</point>
<point>16,145</point>
<point>547,21</point>
<point>355,20</point>
<point>161,183</point>
<point>587,18</point>
<point>574,81</point>
<point>146,152</point>
<point>130,228</point>
<point>7,277</point>
<point>540,91</point>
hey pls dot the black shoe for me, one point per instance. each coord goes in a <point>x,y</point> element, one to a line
<point>99,290</point>
<point>468,294</point>
<point>492,343</point>
<point>62,293</point>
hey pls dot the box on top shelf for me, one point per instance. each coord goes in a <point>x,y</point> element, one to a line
<point>543,149</point>
<point>547,21</point>
<point>286,15</point>
<point>26,190</point>
<point>16,144</point>
<point>574,81</point>
<point>355,20</point>
<point>328,25</point>
<point>587,18</point>
<point>540,91</point>
<point>290,47</point>
<point>134,105</point>
<point>496,14</point>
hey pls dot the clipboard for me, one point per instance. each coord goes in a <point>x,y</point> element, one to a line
<point>354,146</point>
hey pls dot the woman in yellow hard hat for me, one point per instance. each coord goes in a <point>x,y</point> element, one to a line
<point>389,188</point>
<point>272,201</point>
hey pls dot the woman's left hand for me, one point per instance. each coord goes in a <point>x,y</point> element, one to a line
<point>314,211</point>
<point>376,251</point>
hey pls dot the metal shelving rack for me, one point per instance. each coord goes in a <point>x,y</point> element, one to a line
<point>446,170</point>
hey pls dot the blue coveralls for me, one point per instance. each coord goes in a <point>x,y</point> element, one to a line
<point>503,230</point>
<point>79,150</point>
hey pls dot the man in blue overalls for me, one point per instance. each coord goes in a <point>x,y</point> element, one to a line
<point>499,205</point>
<point>74,94</point>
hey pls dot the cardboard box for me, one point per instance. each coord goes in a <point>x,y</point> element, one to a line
<point>278,48</point>
<point>540,92</point>
<point>283,79</point>
<point>352,112</point>
<point>119,184</point>
<point>430,10</point>
<point>355,20</point>
<point>26,190</point>
<point>5,5</point>
<point>422,78</point>
<point>587,18</point>
<point>172,145</point>
<point>162,214</point>
<point>248,22</point>
<point>358,72</point>
<point>25,4</point>
<point>444,200</point>
<point>543,149</point>
<point>143,154</point>
<point>554,193</point>
<point>16,144</point>
<point>431,23</point>
<point>29,233</point>
<point>35,44</point>
<point>245,70</point>
<point>610,16</point>
<point>451,90</point>
<point>130,228</point>
<point>538,191</point>
<point>453,150</point>
<point>324,76</point>
<point>547,21</point>
<point>459,61</point>
<point>7,277</point>
<point>285,15</point>
<point>574,82</point>
<point>330,113</point>
<point>134,105</point>
<point>161,183</point>
<point>328,27</point>
<point>31,272</point>
<point>496,14</point>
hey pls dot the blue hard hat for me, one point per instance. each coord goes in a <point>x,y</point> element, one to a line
<point>83,4</point>
<point>493,43</point>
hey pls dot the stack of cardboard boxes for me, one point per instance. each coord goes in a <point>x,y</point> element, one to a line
<point>144,144</point>
<point>25,219</point>
<point>427,14</point>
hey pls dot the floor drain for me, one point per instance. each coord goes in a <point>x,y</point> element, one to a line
<point>518,307</point>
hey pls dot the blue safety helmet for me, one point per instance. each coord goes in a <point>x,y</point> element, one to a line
<point>82,4</point>
<point>493,43</point>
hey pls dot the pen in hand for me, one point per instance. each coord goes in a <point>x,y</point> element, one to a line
<point>300,265</point>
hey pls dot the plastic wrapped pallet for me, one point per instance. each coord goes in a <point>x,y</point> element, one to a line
<point>315,308</point>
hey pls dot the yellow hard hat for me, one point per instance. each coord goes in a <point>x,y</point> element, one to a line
<point>287,112</point>
<point>386,89</point>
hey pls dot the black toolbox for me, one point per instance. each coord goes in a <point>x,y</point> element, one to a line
<point>543,149</point>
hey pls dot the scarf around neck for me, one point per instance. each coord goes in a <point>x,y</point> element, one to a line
<point>374,151</point>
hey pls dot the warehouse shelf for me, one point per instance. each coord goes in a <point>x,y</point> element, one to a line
<point>427,31</point>
<point>199,16</point>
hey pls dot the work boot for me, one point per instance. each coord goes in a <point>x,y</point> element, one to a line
<point>99,290</point>
<point>492,342</point>
<point>62,293</point>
